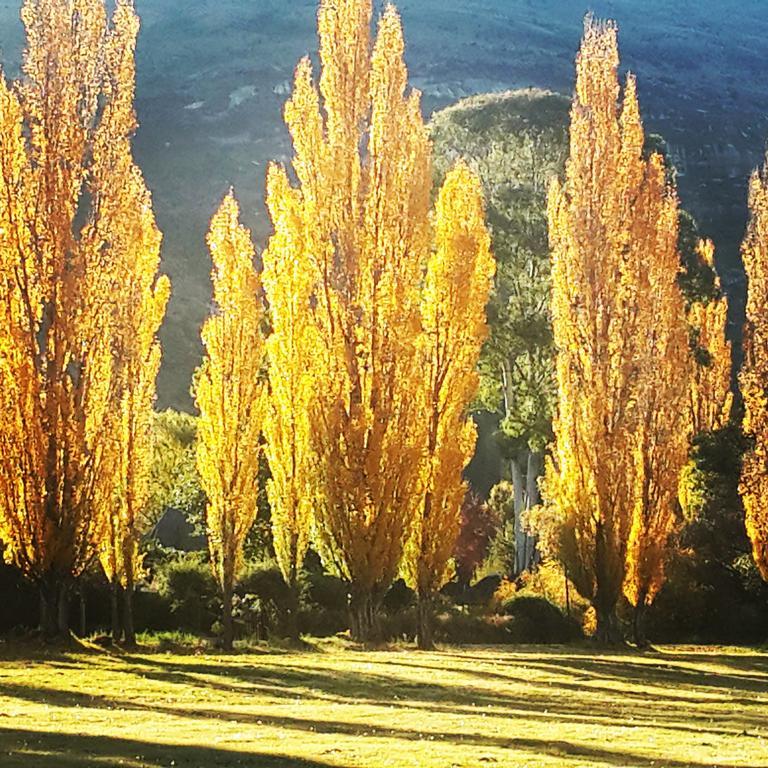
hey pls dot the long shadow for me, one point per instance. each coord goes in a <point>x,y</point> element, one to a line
<point>22,748</point>
<point>42,749</point>
<point>366,730</point>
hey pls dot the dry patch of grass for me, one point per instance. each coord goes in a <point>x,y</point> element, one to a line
<point>338,707</point>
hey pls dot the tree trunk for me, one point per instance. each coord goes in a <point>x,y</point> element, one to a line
<point>228,638</point>
<point>532,499</point>
<point>292,612</point>
<point>519,507</point>
<point>48,608</point>
<point>62,619</point>
<point>638,625</point>
<point>129,631</point>
<point>364,618</point>
<point>83,616</point>
<point>608,629</point>
<point>424,634</point>
<point>117,629</point>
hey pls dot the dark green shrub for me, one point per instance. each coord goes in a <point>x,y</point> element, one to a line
<point>187,583</point>
<point>399,597</point>
<point>322,622</point>
<point>321,590</point>
<point>536,620</point>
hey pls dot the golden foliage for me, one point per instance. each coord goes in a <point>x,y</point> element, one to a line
<point>230,394</point>
<point>457,285</point>
<point>711,399</point>
<point>754,374</point>
<point>77,243</point>
<point>619,324</point>
<point>288,283</point>
<point>362,159</point>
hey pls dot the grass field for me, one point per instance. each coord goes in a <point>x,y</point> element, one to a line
<point>340,707</point>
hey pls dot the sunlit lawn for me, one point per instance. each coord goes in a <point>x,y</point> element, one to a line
<point>336,707</point>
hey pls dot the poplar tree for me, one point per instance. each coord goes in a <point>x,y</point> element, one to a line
<point>617,309</point>
<point>362,160</point>
<point>754,374</point>
<point>230,394</point>
<point>456,291</point>
<point>288,284</point>
<point>72,203</point>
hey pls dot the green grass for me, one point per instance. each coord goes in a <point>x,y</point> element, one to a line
<point>340,707</point>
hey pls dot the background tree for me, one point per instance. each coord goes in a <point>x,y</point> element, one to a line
<point>516,142</point>
<point>363,165</point>
<point>478,529</point>
<point>754,374</point>
<point>288,283</point>
<point>230,394</point>
<point>614,213</point>
<point>70,198</point>
<point>458,279</point>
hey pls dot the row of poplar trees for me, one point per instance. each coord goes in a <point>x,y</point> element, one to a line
<point>81,302</point>
<point>349,362</point>
<point>641,368</point>
<point>351,359</point>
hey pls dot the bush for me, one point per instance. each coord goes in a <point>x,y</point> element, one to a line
<point>262,600</point>
<point>321,590</point>
<point>536,620</point>
<point>187,583</point>
<point>400,597</point>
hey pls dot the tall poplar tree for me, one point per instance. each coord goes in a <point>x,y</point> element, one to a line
<point>71,204</point>
<point>362,160</point>
<point>617,309</point>
<point>754,374</point>
<point>288,283</point>
<point>456,291</point>
<point>230,393</point>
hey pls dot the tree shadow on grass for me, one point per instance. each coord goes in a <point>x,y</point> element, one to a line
<point>22,748</point>
<point>41,749</point>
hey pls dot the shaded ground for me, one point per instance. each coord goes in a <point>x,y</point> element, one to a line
<point>463,707</point>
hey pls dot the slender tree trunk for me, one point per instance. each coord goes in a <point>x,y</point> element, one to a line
<point>519,507</point>
<point>228,638</point>
<point>49,601</point>
<point>532,499</point>
<point>62,620</point>
<point>292,612</point>
<point>117,629</point>
<point>129,631</point>
<point>638,625</point>
<point>424,634</point>
<point>83,612</point>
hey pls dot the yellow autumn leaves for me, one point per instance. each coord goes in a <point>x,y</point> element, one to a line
<point>630,394</point>
<point>377,315</point>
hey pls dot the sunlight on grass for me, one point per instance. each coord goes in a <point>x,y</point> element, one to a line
<point>463,707</point>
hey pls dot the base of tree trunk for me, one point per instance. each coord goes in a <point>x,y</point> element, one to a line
<point>54,609</point>
<point>129,631</point>
<point>608,628</point>
<point>117,627</point>
<point>638,627</point>
<point>424,632</point>
<point>228,635</point>
<point>291,628</point>
<point>364,619</point>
